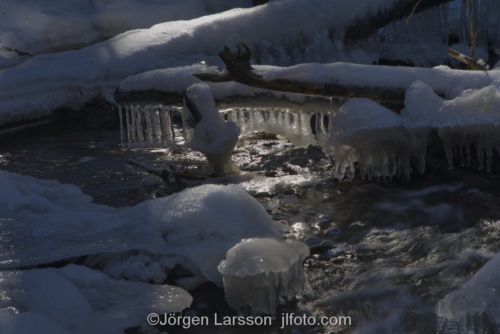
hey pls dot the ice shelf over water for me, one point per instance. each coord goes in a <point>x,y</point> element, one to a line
<point>45,221</point>
<point>474,308</point>
<point>383,142</point>
<point>257,272</point>
<point>78,300</point>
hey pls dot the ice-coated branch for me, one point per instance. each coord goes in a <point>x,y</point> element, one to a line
<point>367,25</point>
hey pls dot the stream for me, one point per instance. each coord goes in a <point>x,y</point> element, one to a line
<point>383,252</point>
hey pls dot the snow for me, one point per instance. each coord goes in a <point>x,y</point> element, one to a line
<point>54,26</point>
<point>475,305</point>
<point>212,136</point>
<point>257,272</point>
<point>78,300</point>
<point>71,78</point>
<point>46,221</point>
<point>384,142</point>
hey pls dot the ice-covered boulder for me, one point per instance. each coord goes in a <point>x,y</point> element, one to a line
<point>212,136</point>
<point>474,308</point>
<point>257,272</point>
<point>78,300</point>
<point>374,136</point>
<point>47,221</point>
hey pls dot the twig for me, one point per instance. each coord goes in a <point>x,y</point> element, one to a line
<point>412,11</point>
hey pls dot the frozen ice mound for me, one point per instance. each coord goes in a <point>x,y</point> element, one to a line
<point>469,120</point>
<point>474,308</point>
<point>78,300</point>
<point>374,136</point>
<point>212,136</point>
<point>45,221</point>
<point>257,272</point>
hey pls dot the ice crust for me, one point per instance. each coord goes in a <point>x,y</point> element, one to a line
<point>475,307</point>
<point>384,142</point>
<point>212,136</point>
<point>258,271</point>
<point>78,300</point>
<point>45,221</point>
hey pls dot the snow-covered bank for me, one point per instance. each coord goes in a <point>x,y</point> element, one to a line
<point>45,26</point>
<point>48,221</point>
<point>78,300</point>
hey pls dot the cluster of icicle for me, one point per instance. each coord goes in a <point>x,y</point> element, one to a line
<point>383,143</point>
<point>302,129</point>
<point>146,126</point>
<point>258,271</point>
<point>432,25</point>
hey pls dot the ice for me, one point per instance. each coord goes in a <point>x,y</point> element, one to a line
<point>475,307</point>
<point>293,125</point>
<point>364,131</point>
<point>45,221</point>
<point>257,272</point>
<point>78,300</point>
<point>212,136</point>
<point>147,126</point>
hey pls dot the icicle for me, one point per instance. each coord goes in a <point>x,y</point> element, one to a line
<point>122,130</point>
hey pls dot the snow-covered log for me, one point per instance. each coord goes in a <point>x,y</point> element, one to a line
<point>384,83</point>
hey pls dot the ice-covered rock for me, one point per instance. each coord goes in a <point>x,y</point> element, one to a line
<point>257,272</point>
<point>212,136</point>
<point>374,136</point>
<point>46,221</point>
<point>78,300</point>
<point>474,308</point>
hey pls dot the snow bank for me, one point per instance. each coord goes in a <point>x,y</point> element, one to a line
<point>257,272</point>
<point>46,26</point>
<point>476,306</point>
<point>69,79</point>
<point>78,300</point>
<point>48,221</point>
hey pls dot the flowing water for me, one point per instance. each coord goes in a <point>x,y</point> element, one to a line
<point>382,252</point>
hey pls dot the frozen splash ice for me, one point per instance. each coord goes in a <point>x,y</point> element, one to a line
<point>257,272</point>
<point>475,307</point>
<point>146,126</point>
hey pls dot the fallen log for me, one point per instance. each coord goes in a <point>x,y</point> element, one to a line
<point>344,80</point>
<point>471,64</point>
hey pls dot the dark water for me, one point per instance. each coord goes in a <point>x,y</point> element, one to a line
<point>382,252</point>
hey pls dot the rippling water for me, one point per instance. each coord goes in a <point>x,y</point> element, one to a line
<point>383,252</point>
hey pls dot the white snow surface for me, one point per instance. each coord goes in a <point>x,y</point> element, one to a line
<point>78,300</point>
<point>466,308</point>
<point>45,221</point>
<point>258,271</point>
<point>69,79</point>
<point>53,26</point>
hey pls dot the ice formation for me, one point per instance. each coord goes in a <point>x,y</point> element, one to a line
<point>78,300</point>
<point>257,272</point>
<point>382,141</point>
<point>364,131</point>
<point>149,126</point>
<point>48,221</point>
<point>294,126</point>
<point>211,136</point>
<point>474,308</point>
